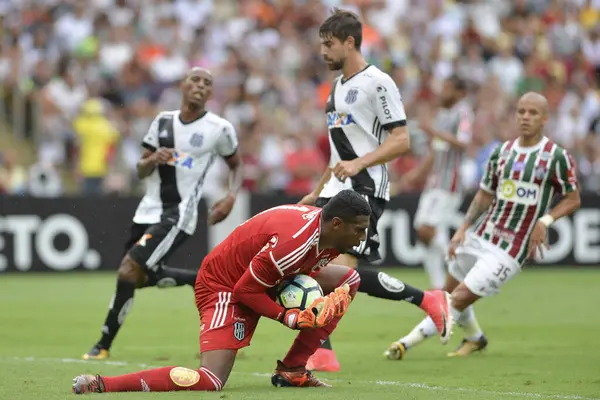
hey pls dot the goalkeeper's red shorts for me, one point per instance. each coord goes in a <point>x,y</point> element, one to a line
<point>224,323</point>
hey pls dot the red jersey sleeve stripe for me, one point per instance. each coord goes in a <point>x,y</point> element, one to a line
<point>257,279</point>
<point>289,260</point>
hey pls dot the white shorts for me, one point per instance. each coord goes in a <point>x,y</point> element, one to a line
<point>482,267</point>
<point>436,207</point>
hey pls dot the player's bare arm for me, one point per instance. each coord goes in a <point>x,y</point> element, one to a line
<point>538,239</point>
<point>451,139</point>
<point>312,197</point>
<point>479,205</point>
<point>396,144</point>
<point>221,209</point>
<point>150,159</point>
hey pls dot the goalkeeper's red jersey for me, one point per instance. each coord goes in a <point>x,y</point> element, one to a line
<point>276,244</point>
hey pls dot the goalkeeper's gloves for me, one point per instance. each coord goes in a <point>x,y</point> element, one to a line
<point>320,312</point>
<point>317,315</point>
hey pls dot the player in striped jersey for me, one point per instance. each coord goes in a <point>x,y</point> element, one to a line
<point>521,179</point>
<point>367,128</point>
<point>451,133</point>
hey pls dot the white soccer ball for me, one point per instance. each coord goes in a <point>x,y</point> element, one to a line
<point>298,292</point>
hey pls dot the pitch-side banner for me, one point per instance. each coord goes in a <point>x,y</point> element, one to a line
<point>68,234</point>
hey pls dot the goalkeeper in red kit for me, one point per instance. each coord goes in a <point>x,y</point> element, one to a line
<point>233,291</point>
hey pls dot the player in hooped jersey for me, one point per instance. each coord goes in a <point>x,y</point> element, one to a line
<point>233,290</point>
<point>179,148</point>
<point>367,128</point>
<point>521,179</point>
<point>450,133</point>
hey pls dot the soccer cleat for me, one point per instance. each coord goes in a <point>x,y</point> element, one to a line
<point>88,384</point>
<point>294,377</point>
<point>96,353</point>
<point>438,308</point>
<point>396,351</point>
<point>467,347</point>
<point>323,360</point>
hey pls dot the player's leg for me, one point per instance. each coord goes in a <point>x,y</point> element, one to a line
<point>430,214</point>
<point>222,332</point>
<point>292,371</point>
<point>145,251</point>
<point>425,329</point>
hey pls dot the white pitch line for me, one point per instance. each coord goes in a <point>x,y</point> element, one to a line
<point>413,385</point>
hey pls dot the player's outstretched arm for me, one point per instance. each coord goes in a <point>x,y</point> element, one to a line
<point>312,197</point>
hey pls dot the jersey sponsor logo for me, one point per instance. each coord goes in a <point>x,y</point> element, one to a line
<point>336,119</point>
<point>381,88</point>
<point>181,160</point>
<point>519,192</point>
<point>386,107</point>
<point>163,134</point>
<point>311,214</point>
<point>390,283</point>
<point>351,96</point>
<point>184,377</point>
<point>321,263</point>
<point>518,166</point>
<point>196,140</point>
<point>239,330</point>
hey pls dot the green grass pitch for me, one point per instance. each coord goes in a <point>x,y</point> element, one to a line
<point>543,331</point>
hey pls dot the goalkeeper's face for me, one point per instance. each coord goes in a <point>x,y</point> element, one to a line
<point>349,234</point>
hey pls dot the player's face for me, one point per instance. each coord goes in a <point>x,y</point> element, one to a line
<point>350,234</point>
<point>197,87</point>
<point>448,94</point>
<point>334,52</point>
<point>530,117</point>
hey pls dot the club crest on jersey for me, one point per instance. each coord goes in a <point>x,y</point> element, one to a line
<point>181,160</point>
<point>545,156</point>
<point>336,119</point>
<point>540,172</point>
<point>519,192</point>
<point>351,96</point>
<point>196,140</point>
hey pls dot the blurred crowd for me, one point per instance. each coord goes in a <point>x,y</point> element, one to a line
<point>93,73</point>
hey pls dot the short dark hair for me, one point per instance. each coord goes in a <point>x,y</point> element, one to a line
<point>341,25</point>
<point>346,205</point>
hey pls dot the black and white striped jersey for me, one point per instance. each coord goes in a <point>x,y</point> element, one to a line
<point>360,112</point>
<point>174,190</point>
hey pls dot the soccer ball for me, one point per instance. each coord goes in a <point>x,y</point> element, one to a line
<point>298,292</point>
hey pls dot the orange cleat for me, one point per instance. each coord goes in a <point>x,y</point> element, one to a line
<point>436,304</point>
<point>323,360</point>
<point>294,377</point>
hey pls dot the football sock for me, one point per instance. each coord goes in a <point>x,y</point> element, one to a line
<point>470,325</point>
<point>326,345</point>
<point>433,261</point>
<point>381,285</point>
<point>169,277</point>
<point>118,309</point>
<point>308,341</point>
<point>164,379</point>
<point>424,330</point>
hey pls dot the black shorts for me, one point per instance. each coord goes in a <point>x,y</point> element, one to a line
<point>150,244</point>
<point>369,249</point>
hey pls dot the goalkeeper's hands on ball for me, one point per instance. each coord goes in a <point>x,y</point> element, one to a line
<point>321,312</point>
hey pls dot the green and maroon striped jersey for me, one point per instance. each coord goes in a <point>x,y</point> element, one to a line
<point>524,181</point>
